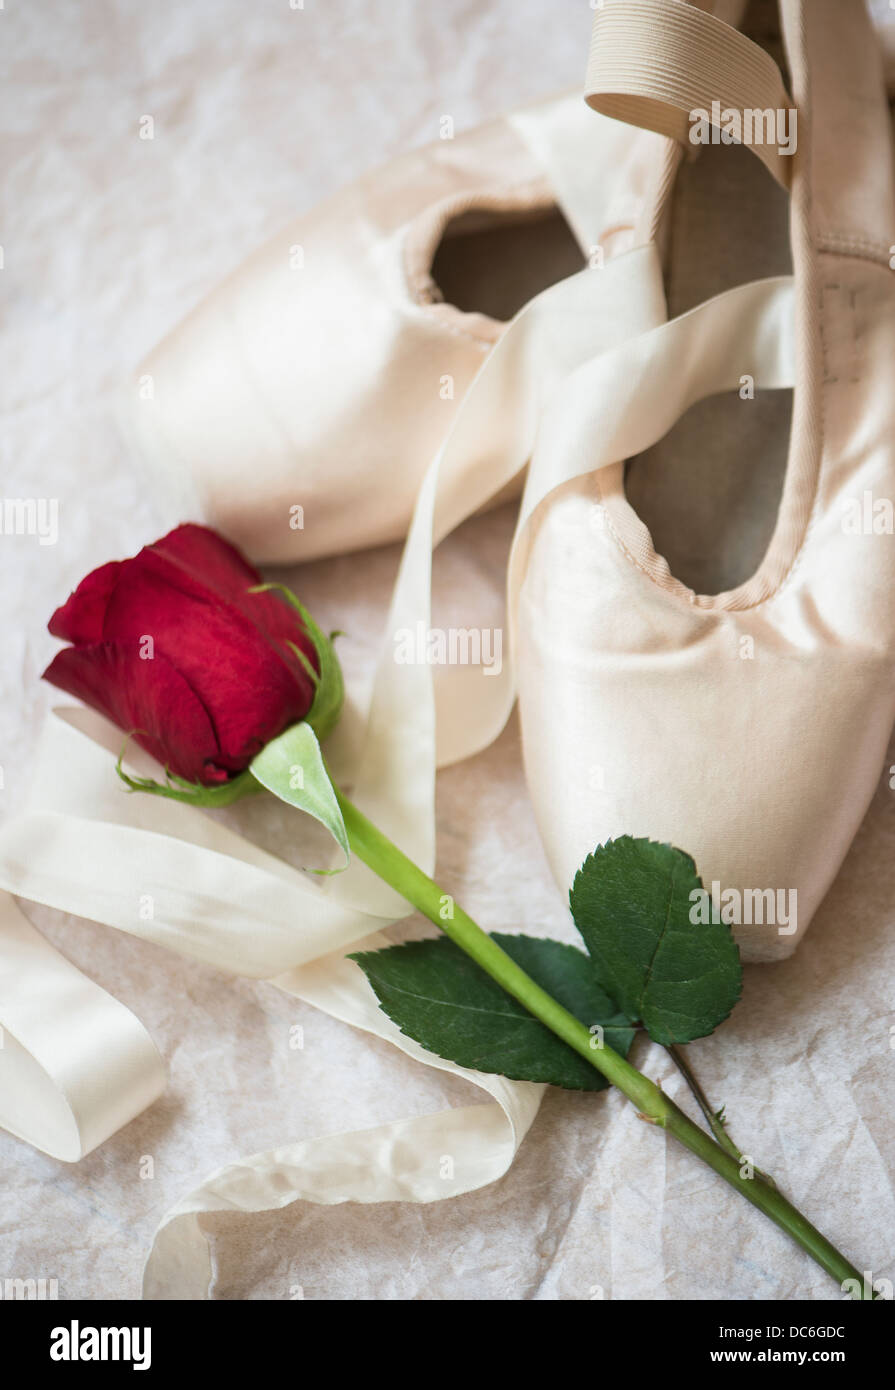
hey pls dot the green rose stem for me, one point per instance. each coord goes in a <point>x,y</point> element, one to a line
<point>386,860</point>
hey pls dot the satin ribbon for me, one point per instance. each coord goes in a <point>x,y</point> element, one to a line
<point>75,1064</point>
<point>83,846</point>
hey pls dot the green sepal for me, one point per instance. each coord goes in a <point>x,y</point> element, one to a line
<point>191,793</point>
<point>292,767</point>
<point>329,689</point>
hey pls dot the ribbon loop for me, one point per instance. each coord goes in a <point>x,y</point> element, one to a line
<point>656,63</point>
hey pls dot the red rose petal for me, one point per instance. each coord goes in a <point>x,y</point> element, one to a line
<point>80,619</point>
<point>147,697</point>
<point>209,558</point>
<point>250,692</point>
<point>216,564</point>
<point>221,681</point>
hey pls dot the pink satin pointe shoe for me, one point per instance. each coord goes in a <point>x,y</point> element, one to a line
<point>706,632</point>
<point>299,405</point>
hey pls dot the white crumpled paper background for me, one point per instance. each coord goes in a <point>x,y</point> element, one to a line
<point>259,111</point>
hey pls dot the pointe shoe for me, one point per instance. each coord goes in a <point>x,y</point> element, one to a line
<point>747,722</point>
<point>301,403</point>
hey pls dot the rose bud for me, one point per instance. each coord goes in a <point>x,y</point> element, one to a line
<point>176,648</point>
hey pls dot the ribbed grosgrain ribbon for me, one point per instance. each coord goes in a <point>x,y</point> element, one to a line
<point>654,62</point>
<point>592,345</point>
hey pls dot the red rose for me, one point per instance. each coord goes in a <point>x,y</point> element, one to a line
<point>173,647</point>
